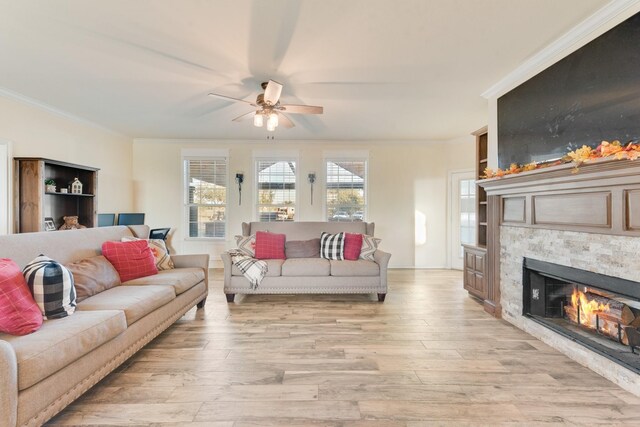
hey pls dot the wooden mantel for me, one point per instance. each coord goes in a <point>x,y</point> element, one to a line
<point>602,197</point>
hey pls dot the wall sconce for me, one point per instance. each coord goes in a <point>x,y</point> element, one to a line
<point>239,180</point>
<point>311,178</point>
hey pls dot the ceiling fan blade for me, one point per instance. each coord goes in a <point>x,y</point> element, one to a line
<point>285,121</point>
<point>228,98</point>
<point>244,116</point>
<point>302,109</point>
<point>272,92</point>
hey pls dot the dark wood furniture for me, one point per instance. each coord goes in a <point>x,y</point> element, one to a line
<point>32,204</point>
<point>479,268</point>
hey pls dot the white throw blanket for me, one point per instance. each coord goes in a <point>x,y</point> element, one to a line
<point>253,269</point>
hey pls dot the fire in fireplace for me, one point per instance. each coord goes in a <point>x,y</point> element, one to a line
<point>597,311</point>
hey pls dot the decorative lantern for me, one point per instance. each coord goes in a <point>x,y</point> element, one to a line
<point>76,186</point>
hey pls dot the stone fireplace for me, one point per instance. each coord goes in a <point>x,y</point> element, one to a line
<point>587,221</point>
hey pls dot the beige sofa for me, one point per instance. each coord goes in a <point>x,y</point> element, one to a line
<point>43,372</point>
<point>311,275</point>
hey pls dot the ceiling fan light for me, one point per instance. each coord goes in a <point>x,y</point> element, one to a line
<point>258,119</point>
<point>273,118</point>
<point>271,126</point>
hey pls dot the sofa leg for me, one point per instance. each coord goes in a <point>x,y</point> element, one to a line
<point>381,297</point>
<point>230,297</point>
<point>201,303</point>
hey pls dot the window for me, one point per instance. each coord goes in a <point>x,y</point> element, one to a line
<point>346,195</point>
<point>206,197</point>
<point>276,190</point>
<point>467,212</point>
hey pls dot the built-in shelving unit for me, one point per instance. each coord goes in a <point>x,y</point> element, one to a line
<point>475,256</point>
<point>33,204</point>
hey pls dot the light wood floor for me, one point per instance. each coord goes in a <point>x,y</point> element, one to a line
<point>428,356</point>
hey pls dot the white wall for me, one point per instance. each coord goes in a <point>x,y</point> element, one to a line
<point>404,179</point>
<point>35,132</point>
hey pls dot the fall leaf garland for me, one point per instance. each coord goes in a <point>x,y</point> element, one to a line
<point>581,155</point>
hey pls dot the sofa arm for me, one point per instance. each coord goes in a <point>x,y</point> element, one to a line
<point>226,261</point>
<point>193,261</point>
<point>8,386</point>
<point>382,259</point>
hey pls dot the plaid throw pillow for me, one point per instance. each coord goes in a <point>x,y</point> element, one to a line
<point>52,287</point>
<point>131,259</point>
<point>19,314</point>
<point>158,249</point>
<point>332,246</point>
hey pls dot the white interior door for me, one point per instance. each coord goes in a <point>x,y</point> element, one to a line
<point>462,210</point>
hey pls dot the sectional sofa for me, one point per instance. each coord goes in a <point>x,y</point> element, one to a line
<point>43,372</point>
<point>311,275</point>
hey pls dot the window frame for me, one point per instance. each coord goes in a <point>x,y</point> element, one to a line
<point>185,196</point>
<point>256,184</point>
<point>336,159</point>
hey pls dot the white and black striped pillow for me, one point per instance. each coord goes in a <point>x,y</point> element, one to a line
<point>52,287</point>
<point>332,246</point>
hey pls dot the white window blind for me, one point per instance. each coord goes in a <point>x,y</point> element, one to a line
<point>276,190</point>
<point>206,197</point>
<point>346,190</point>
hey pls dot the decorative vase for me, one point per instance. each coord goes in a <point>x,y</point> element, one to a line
<point>50,188</point>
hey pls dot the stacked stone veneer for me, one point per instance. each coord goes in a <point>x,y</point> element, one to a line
<point>605,254</point>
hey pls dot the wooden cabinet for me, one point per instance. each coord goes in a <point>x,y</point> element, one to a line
<point>32,203</point>
<point>480,271</point>
<point>475,279</point>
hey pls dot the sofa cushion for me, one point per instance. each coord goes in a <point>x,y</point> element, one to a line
<point>19,313</point>
<point>354,268</point>
<point>131,259</point>
<point>274,266</point>
<point>369,247</point>
<point>302,248</point>
<point>135,301</point>
<point>270,245</point>
<point>52,287</point>
<point>352,246</point>
<point>59,342</point>
<point>182,279</point>
<point>92,276</point>
<point>247,245</point>
<point>158,249</point>
<point>332,246</point>
<point>306,267</point>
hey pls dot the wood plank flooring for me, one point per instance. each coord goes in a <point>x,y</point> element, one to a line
<point>427,356</point>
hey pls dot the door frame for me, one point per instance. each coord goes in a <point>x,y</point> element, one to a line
<point>5,187</point>
<point>453,221</point>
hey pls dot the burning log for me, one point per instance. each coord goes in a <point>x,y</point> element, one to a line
<point>607,316</point>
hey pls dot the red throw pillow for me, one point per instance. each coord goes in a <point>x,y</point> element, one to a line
<point>352,246</point>
<point>19,313</point>
<point>131,259</point>
<point>270,245</point>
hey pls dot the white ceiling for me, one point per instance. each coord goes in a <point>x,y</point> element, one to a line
<point>383,69</point>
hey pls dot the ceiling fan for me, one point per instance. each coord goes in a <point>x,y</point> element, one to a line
<point>268,109</point>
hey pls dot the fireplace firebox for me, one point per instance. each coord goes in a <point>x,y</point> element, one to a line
<point>598,311</point>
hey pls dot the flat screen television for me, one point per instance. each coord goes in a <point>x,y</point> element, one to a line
<point>589,96</point>
<point>106,219</point>
<point>130,219</point>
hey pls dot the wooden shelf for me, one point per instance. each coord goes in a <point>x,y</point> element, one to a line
<point>69,194</point>
<point>32,203</point>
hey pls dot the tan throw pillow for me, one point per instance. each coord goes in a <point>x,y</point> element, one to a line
<point>159,250</point>
<point>302,248</point>
<point>92,276</point>
<point>247,245</point>
<point>369,246</point>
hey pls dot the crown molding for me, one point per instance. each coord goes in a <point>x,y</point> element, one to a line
<point>4,92</point>
<point>577,37</point>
